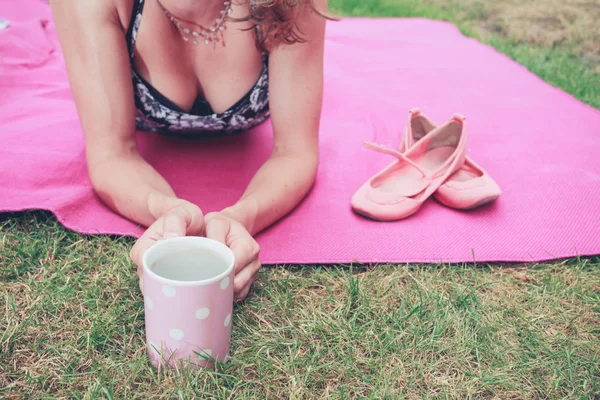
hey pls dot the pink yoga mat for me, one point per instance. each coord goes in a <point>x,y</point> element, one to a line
<point>540,144</point>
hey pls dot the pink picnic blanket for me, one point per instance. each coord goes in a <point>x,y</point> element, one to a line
<point>539,143</point>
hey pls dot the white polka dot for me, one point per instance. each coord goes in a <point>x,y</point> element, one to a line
<point>202,313</point>
<point>149,303</point>
<point>176,334</point>
<point>168,291</point>
<point>225,283</point>
<point>227,320</point>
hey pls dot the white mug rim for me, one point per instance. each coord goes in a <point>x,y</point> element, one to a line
<point>193,239</point>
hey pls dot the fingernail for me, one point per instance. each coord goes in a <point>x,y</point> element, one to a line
<point>170,235</point>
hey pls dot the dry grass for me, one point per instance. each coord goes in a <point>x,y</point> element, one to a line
<point>572,24</point>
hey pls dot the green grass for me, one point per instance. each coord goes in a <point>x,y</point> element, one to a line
<point>72,327</point>
<point>72,324</point>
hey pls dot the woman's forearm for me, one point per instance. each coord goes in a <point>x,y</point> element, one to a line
<point>134,189</point>
<point>131,187</point>
<point>275,190</point>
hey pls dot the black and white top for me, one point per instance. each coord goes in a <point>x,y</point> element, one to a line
<point>157,113</point>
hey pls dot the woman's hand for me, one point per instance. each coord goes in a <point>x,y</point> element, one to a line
<point>184,219</point>
<point>233,234</point>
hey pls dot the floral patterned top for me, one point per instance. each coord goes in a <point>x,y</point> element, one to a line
<point>157,113</point>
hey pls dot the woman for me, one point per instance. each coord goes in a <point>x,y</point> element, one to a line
<point>193,68</point>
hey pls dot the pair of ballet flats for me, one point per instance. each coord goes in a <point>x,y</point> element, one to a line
<point>431,162</point>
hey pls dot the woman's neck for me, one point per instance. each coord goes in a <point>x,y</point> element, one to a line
<point>203,12</point>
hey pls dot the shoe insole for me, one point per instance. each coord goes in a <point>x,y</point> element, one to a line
<point>405,179</point>
<point>466,173</point>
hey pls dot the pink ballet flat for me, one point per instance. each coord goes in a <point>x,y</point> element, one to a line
<point>467,188</point>
<point>400,189</point>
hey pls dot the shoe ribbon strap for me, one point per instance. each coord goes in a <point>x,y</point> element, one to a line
<point>386,150</point>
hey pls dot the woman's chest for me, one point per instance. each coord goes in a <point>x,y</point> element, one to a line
<point>220,72</point>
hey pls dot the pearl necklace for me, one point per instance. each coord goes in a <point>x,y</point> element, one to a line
<point>213,35</point>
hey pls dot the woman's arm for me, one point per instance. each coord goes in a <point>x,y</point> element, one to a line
<point>92,39</point>
<point>296,87</point>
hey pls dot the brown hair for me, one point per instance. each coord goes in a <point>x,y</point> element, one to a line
<point>277,21</point>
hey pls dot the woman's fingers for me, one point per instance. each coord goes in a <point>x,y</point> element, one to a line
<point>184,220</point>
<point>240,242</point>
<point>218,229</point>
<point>246,250</point>
<point>244,279</point>
<point>242,295</point>
<point>139,248</point>
<point>196,225</point>
<point>175,223</point>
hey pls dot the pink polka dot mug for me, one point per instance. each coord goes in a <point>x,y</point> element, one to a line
<point>188,296</point>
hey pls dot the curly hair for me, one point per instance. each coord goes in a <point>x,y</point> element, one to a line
<point>277,21</point>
